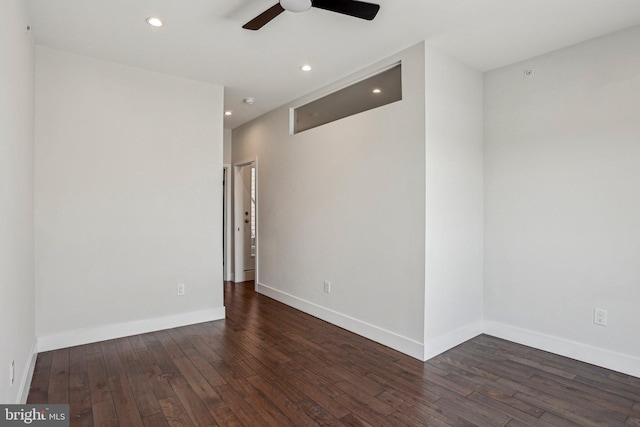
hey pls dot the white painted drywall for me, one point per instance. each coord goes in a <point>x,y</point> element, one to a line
<point>454,200</point>
<point>227,146</point>
<point>345,202</point>
<point>127,194</point>
<point>17,312</point>
<point>562,197</point>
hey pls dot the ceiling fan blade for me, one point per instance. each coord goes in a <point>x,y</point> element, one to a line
<point>262,19</point>
<point>358,9</point>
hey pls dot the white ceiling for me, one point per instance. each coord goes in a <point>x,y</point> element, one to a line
<point>203,39</point>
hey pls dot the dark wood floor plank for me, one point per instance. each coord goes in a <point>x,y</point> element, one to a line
<point>155,420</point>
<point>583,416</point>
<point>180,338</point>
<point>137,343</point>
<point>401,418</point>
<point>512,407</point>
<point>93,348</point>
<point>198,383</point>
<point>557,421</point>
<point>77,360</point>
<point>174,412</point>
<point>205,349</point>
<point>121,393</point>
<point>430,379</point>
<point>480,384</point>
<point>191,402</point>
<point>209,334</point>
<point>171,347</point>
<point>570,394</point>
<point>366,396</point>
<point>267,364</point>
<point>407,413</point>
<point>490,362</point>
<point>632,421</point>
<point>361,411</point>
<point>226,418</point>
<point>510,402</point>
<point>104,413</point>
<point>318,413</point>
<point>479,415</point>
<point>625,379</point>
<point>155,378</point>
<point>276,376</point>
<point>142,389</point>
<point>39,389</point>
<point>98,380</point>
<point>279,400</point>
<point>240,408</point>
<point>125,350</point>
<point>352,420</point>
<point>212,376</point>
<point>425,408</point>
<point>449,363</point>
<point>613,387</point>
<point>80,412</point>
<point>59,379</point>
<point>163,360</point>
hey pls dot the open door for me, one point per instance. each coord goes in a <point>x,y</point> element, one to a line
<point>246,221</point>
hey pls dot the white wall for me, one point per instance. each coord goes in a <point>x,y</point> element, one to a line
<point>345,202</point>
<point>17,330</point>
<point>454,200</point>
<point>127,199</point>
<point>563,201</point>
<point>227,146</point>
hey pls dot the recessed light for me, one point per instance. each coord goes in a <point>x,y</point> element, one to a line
<point>306,67</point>
<point>154,22</point>
<point>228,113</point>
<point>376,91</point>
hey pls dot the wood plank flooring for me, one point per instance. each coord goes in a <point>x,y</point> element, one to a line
<point>270,365</point>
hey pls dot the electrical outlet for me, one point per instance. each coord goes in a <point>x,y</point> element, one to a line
<point>327,286</point>
<point>12,372</point>
<point>181,289</point>
<point>600,316</point>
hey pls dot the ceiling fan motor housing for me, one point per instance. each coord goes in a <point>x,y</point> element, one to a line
<point>296,5</point>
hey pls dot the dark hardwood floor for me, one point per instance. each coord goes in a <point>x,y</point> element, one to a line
<point>270,365</point>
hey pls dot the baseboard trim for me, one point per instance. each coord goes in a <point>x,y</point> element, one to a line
<point>390,339</point>
<point>120,330</point>
<point>608,359</point>
<point>27,376</point>
<point>445,342</point>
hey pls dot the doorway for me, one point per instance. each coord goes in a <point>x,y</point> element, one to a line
<point>227,224</point>
<point>246,220</point>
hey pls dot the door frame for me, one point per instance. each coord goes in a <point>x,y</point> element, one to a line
<point>238,229</point>
<point>228,223</point>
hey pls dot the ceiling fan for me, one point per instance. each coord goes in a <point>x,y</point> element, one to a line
<point>358,9</point>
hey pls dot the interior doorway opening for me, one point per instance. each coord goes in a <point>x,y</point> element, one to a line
<point>245,228</point>
<point>227,224</point>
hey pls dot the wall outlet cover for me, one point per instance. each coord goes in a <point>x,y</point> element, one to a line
<point>600,316</point>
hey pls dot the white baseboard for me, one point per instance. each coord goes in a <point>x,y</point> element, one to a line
<point>119,330</point>
<point>27,375</point>
<point>445,342</point>
<point>619,362</point>
<point>397,342</point>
